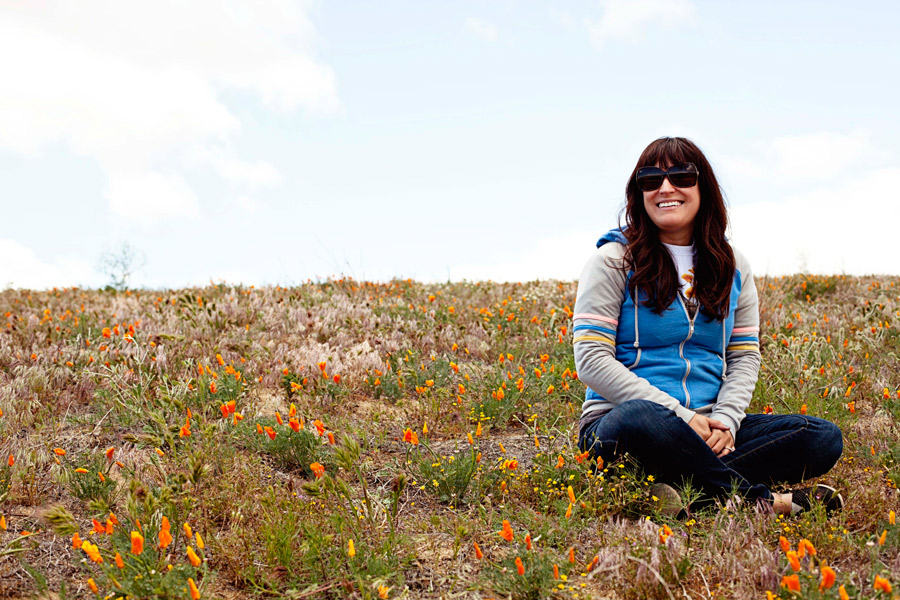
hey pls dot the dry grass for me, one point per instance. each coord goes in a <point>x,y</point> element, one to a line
<point>404,359</point>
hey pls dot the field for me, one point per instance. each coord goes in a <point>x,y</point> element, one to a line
<point>401,440</point>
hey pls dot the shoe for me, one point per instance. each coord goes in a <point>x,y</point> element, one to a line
<point>669,500</point>
<point>804,498</point>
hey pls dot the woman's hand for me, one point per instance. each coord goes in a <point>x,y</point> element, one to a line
<point>720,441</point>
<point>703,426</point>
<point>716,434</point>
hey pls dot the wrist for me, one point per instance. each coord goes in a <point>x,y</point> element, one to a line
<point>727,420</point>
<point>686,414</point>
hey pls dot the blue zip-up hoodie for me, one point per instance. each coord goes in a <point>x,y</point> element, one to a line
<point>625,351</point>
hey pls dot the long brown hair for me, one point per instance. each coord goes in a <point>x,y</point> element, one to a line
<point>654,270</point>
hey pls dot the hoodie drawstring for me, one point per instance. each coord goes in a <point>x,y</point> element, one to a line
<point>724,364</point>
<point>636,335</point>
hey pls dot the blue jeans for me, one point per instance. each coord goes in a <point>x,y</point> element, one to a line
<point>770,449</point>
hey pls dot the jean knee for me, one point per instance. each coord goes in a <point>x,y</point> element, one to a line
<point>829,443</point>
<point>834,445</point>
<point>634,414</point>
<point>639,423</point>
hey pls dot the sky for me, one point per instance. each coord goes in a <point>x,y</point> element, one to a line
<point>275,142</point>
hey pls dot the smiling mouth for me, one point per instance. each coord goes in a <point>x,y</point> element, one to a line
<point>669,203</point>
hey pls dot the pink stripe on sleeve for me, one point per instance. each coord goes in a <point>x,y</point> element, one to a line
<point>745,330</point>
<point>594,317</point>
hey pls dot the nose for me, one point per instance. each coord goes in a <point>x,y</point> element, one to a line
<point>666,187</point>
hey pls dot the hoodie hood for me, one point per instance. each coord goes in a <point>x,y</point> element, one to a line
<point>613,235</point>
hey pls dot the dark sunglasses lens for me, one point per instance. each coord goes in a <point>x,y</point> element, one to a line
<point>682,178</point>
<point>649,179</point>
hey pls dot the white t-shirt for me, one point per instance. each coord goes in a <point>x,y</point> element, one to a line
<point>684,265</point>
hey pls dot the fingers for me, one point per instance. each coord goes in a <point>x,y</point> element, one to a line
<point>700,425</point>
<point>729,441</point>
<point>717,424</point>
<point>719,446</point>
<point>700,429</point>
<point>720,443</point>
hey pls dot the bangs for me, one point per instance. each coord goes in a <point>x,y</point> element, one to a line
<point>666,152</point>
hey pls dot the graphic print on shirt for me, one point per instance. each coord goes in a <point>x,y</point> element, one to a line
<point>689,287</point>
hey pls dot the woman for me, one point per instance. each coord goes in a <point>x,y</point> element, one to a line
<point>666,329</point>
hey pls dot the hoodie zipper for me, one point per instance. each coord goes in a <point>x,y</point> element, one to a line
<point>687,394</point>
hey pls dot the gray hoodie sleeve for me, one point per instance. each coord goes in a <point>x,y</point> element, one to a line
<point>741,355</point>
<point>601,290</point>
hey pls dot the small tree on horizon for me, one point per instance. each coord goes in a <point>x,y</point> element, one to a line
<point>119,264</point>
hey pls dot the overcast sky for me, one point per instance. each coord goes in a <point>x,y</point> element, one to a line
<point>273,142</point>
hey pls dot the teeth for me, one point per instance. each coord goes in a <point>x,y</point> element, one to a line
<point>668,204</point>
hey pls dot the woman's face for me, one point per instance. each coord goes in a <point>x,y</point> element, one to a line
<point>673,210</point>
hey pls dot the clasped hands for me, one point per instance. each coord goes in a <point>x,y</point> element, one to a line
<point>716,434</point>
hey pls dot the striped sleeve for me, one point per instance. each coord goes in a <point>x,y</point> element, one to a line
<point>743,338</point>
<point>599,300</point>
<point>594,328</point>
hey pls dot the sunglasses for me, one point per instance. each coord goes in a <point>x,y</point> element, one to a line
<point>681,176</point>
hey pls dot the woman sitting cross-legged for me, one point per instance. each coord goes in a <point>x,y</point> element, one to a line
<point>666,330</point>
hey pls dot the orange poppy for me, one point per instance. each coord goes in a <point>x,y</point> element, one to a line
<point>828,577</point>
<point>506,533</point>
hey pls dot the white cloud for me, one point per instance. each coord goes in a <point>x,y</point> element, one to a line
<point>481,29</point>
<point>560,256</point>
<point>811,203</point>
<point>20,267</point>
<point>803,158</point>
<point>137,87</point>
<point>248,203</point>
<point>222,160</point>
<point>818,156</point>
<point>844,228</point>
<point>562,17</point>
<point>629,19</point>
<point>147,196</point>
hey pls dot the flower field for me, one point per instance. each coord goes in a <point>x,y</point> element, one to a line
<point>348,439</point>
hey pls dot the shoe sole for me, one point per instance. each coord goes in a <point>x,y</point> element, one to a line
<point>834,494</point>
